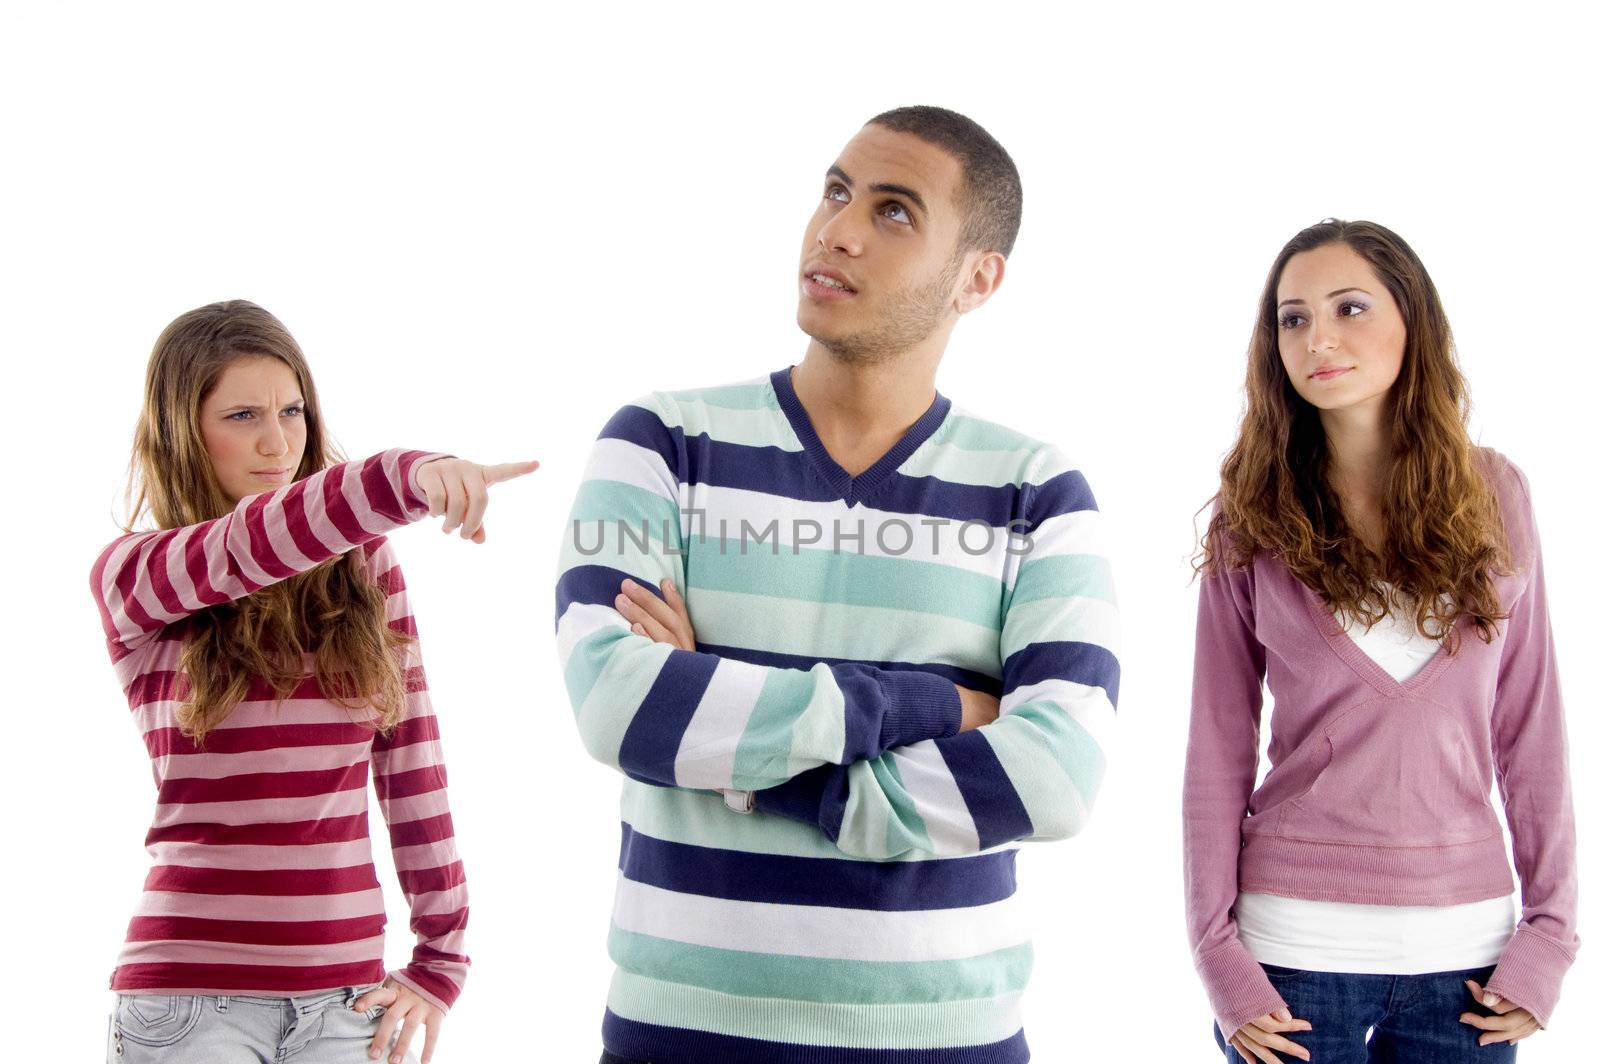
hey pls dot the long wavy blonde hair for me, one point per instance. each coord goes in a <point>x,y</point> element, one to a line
<point>1443,536</point>
<point>334,612</point>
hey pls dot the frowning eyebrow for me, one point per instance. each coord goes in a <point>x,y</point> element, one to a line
<point>236,407</point>
<point>1330,295</point>
<point>893,190</point>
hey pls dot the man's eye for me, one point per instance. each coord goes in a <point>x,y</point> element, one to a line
<point>895,212</point>
<point>838,193</point>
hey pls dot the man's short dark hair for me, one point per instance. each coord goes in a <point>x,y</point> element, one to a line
<point>990,196</point>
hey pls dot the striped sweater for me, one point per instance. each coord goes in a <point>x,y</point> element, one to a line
<point>262,879</point>
<point>865,911</point>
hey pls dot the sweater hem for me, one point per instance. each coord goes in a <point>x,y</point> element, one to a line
<point>1415,875</point>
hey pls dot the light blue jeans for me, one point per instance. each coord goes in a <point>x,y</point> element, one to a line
<point>208,1029</point>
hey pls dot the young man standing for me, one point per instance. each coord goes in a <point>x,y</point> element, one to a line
<point>902,655</point>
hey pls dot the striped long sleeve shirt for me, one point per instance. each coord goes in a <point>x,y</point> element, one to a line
<point>262,879</point>
<point>865,910</point>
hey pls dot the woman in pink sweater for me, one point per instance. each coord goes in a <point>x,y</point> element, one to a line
<point>264,641</point>
<point>1383,576</point>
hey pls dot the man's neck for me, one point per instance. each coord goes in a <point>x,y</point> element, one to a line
<point>861,410</point>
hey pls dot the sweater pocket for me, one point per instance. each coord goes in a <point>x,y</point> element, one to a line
<point>1395,773</point>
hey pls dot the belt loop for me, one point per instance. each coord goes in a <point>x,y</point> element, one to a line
<point>222,1002</point>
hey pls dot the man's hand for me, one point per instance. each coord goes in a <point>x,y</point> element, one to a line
<point>665,621</point>
<point>402,1005</point>
<point>977,708</point>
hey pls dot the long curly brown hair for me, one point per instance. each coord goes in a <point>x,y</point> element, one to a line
<point>334,612</point>
<point>1443,537</point>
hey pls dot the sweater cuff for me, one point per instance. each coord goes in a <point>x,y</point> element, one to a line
<point>1238,987</point>
<point>407,976</point>
<point>1529,973</point>
<point>411,461</point>
<point>922,705</point>
<point>805,798</point>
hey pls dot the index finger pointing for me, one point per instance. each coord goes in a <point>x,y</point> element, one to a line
<point>507,471</point>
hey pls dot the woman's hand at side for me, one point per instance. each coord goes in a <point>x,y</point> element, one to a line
<point>1256,1040</point>
<point>459,490</point>
<point>1510,1022</point>
<point>405,1006</point>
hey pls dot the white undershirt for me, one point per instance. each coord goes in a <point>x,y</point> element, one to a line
<point>1334,936</point>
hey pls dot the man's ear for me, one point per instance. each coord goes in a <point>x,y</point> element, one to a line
<point>983,272</point>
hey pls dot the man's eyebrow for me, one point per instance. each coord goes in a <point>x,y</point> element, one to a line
<point>892,189</point>
<point>1330,295</point>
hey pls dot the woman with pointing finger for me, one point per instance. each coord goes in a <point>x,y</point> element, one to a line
<point>262,635</point>
<point>1383,576</point>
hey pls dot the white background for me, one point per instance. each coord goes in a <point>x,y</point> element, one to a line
<point>490,228</point>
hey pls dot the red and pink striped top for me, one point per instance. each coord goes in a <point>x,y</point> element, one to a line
<point>263,881</point>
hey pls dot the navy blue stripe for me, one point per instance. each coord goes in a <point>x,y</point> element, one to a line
<point>997,810</point>
<point>884,886</point>
<point>791,474</point>
<point>1085,663</point>
<point>964,677</point>
<point>1065,493</point>
<point>593,585</point>
<point>681,1045</point>
<point>650,746</point>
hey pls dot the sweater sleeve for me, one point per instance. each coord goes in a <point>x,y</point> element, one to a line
<point>1531,765</point>
<point>1034,772</point>
<point>1219,776</point>
<point>147,580</point>
<point>408,774</point>
<point>684,718</point>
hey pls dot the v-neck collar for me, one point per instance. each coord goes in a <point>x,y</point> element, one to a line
<point>853,489</point>
<point>1361,662</point>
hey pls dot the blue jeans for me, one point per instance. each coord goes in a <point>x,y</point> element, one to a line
<point>1413,1019</point>
<point>211,1029</point>
<point>612,1058</point>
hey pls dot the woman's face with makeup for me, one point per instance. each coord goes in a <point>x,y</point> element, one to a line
<point>1341,335</point>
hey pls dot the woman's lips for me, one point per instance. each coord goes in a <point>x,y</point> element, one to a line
<point>1328,373</point>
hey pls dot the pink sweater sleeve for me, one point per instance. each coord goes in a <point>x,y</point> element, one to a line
<point>1530,753</point>
<point>408,773</point>
<point>1219,776</point>
<point>147,580</point>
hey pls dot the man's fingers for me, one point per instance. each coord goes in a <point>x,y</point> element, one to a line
<point>640,617</point>
<point>653,605</point>
<point>680,609</point>
<point>496,474</point>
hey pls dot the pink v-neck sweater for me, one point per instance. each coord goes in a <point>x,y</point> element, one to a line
<point>1378,791</point>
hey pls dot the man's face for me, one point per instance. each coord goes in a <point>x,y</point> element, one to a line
<point>879,264</point>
